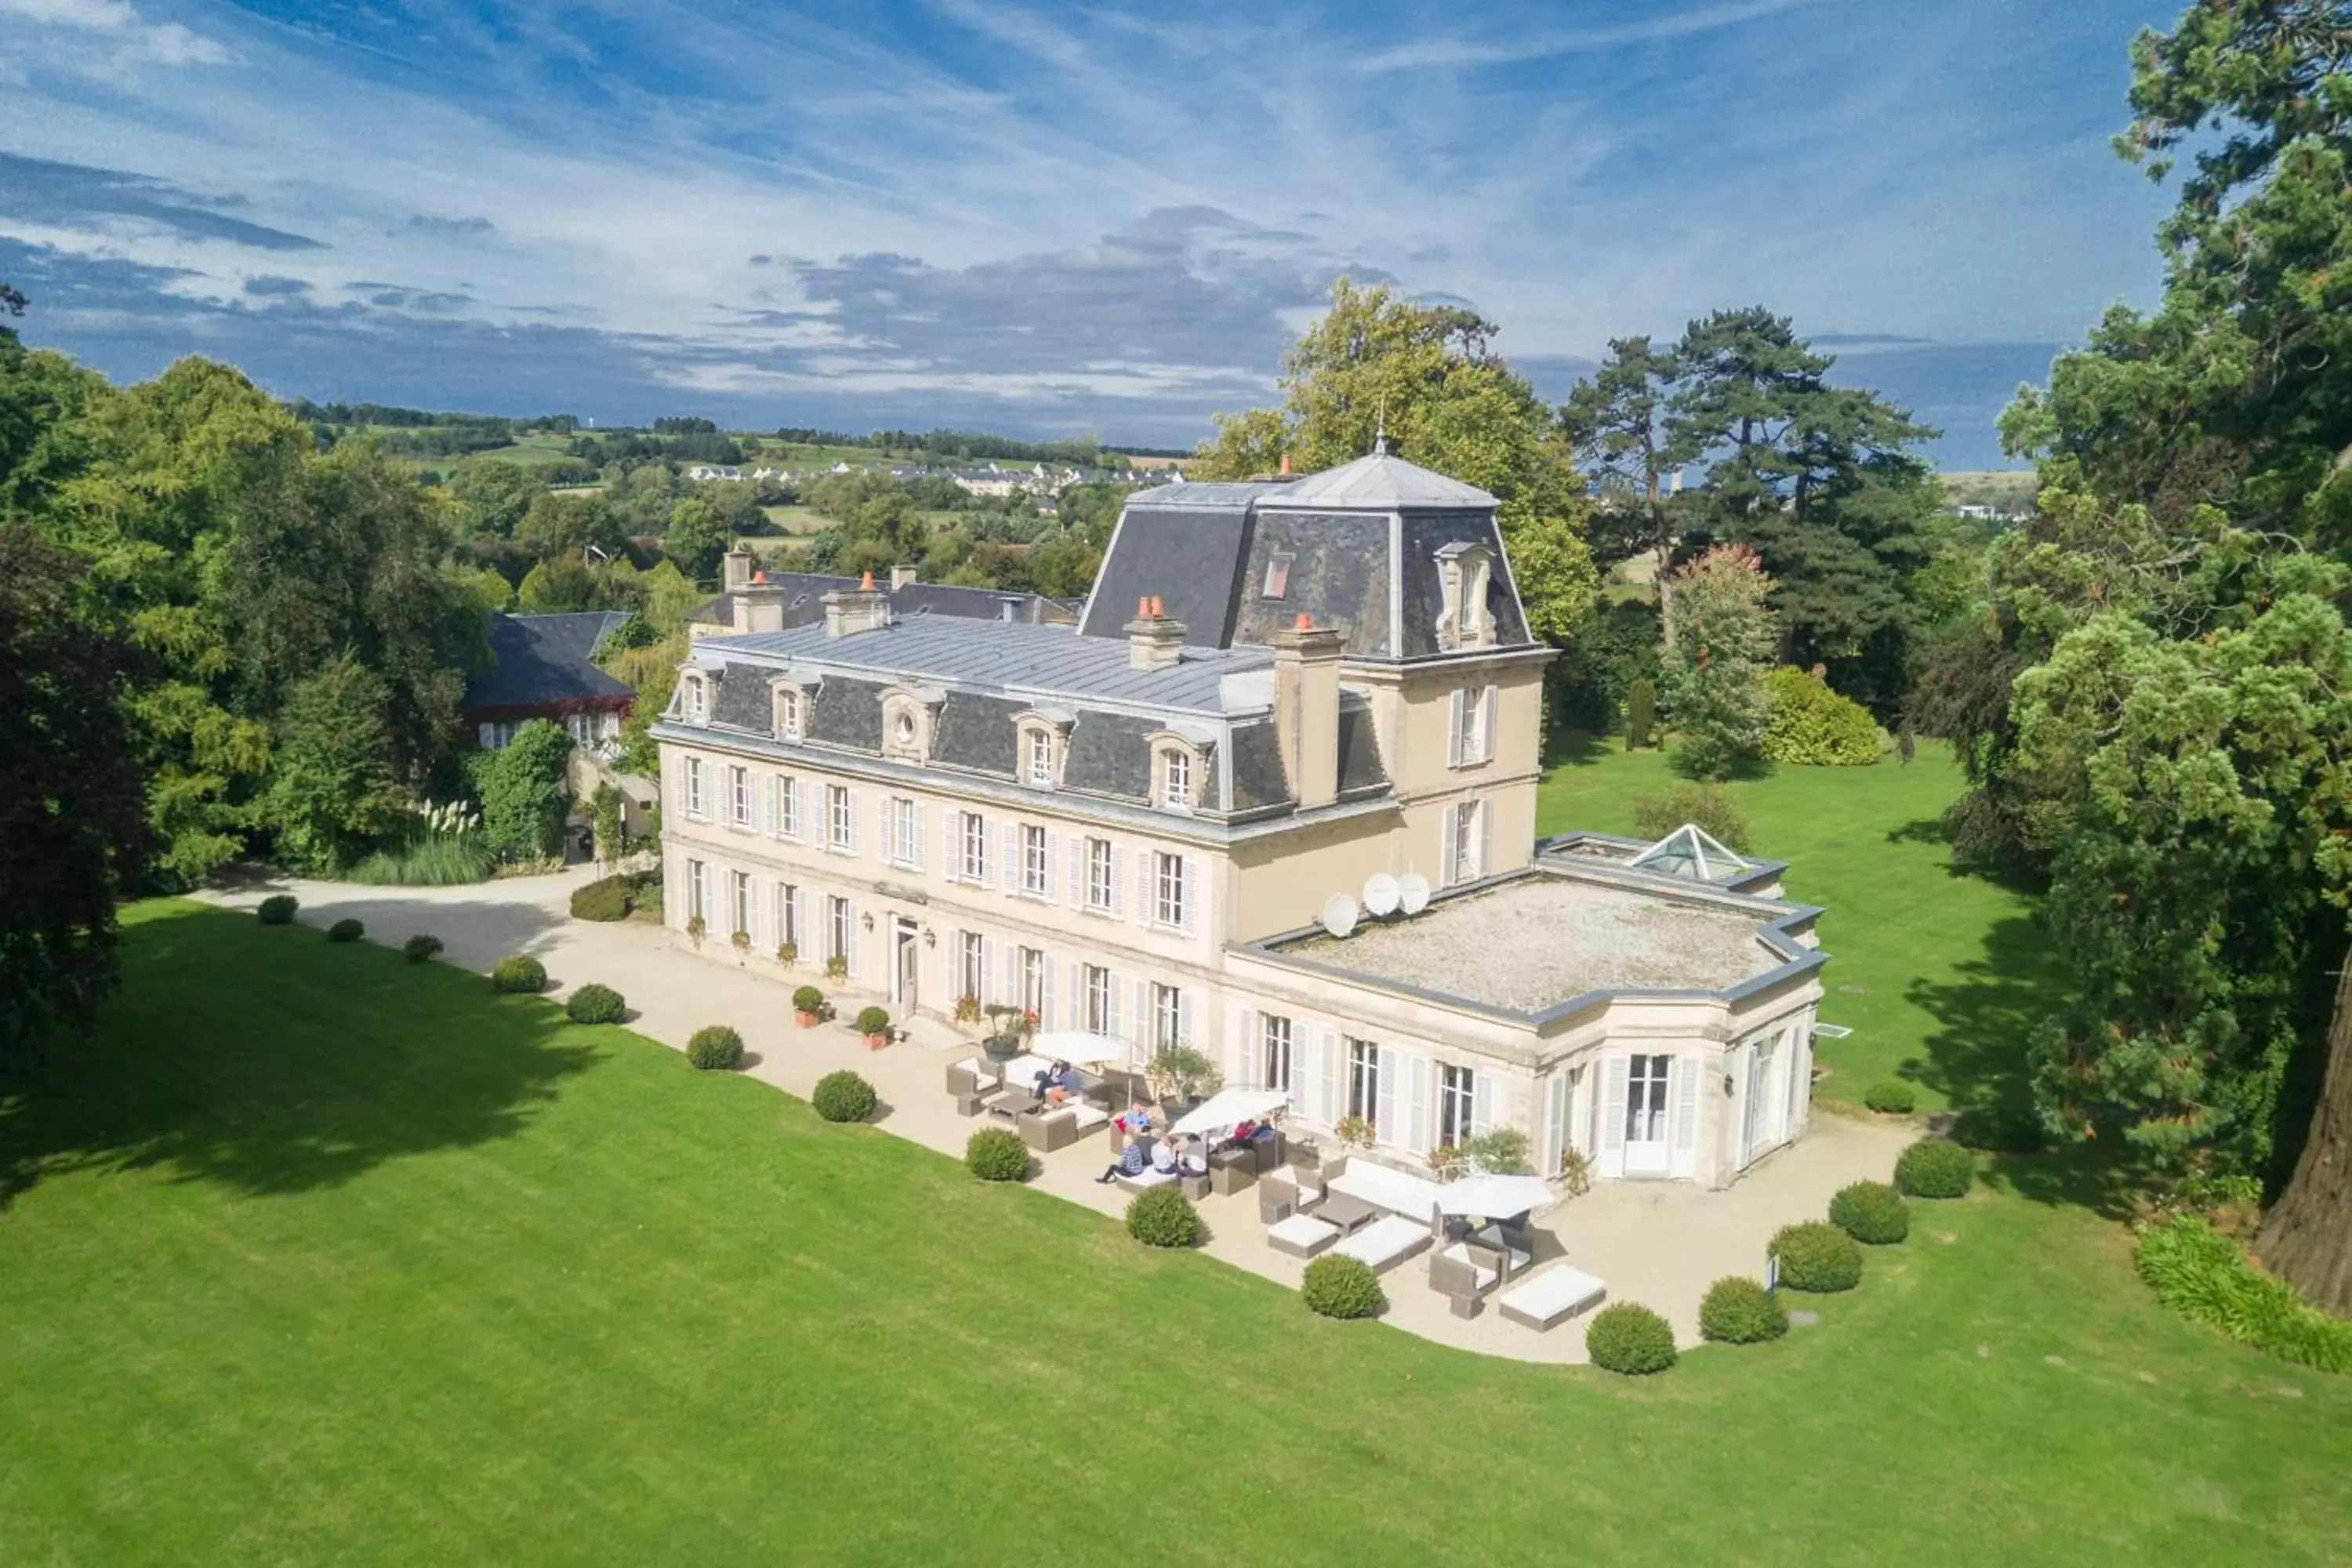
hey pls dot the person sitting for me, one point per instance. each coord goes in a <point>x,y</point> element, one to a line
<point>1239,1138</point>
<point>1164,1156</point>
<point>1128,1164</point>
<point>1191,1160</point>
<point>1137,1119</point>
<point>1058,1084</point>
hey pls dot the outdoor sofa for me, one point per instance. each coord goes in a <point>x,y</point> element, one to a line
<point>973,1081</point>
<point>1046,1130</point>
<point>1385,1243</point>
<point>1550,1296</point>
<point>1464,1274</point>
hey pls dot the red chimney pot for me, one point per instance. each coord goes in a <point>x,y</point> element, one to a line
<point>865,584</point>
<point>1304,621</point>
<point>1285,462</point>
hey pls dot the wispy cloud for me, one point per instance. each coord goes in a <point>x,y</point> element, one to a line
<point>1441,54</point>
<point>119,22</point>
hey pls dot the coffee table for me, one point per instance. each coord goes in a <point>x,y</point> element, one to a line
<point>1350,1215</point>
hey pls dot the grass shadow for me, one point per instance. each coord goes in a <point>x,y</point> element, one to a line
<point>1575,748</point>
<point>177,1078</point>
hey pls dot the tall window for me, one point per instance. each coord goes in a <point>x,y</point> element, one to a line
<point>1363,1079</point>
<point>694,805</point>
<point>788,807</point>
<point>1275,1046</point>
<point>904,849</point>
<point>788,715</point>
<point>1455,1095</point>
<point>975,847</point>
<point>1040,751</point>
<point>1477,708</point>
<point>743,890</point>
<point>1098,999</point>
<point>695,705</point>
<point>837,934</point>
<point>694,909</point>
<point>1176,779</point>
<point>1168,888</point>
<point>1032,982</point>
<point>1166,1016</point>
<point>971,967</point>
<point>739,796</point>
<point>788,914</point>
<point>1645,1099</point>
<point>1469,846</point>
<point>1033,860</point>
<point>1098,882</point>
<point>840,818</point>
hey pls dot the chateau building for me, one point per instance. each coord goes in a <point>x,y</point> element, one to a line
<point>1153,826</point>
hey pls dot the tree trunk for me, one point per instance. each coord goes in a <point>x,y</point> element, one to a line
<point>1662,541</point>
<point>2306,1239</point>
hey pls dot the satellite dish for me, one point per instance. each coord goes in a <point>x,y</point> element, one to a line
<point>1339,914</point>
<point>1381,893</point>
<point>1413,889</point>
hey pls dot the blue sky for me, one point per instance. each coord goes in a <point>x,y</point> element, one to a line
<point>1049,219</point>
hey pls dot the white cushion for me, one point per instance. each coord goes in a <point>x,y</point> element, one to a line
<point>1301,1230</point>
<point>1392,1190</point>
<point>1558,1288</point>
<point>1384,1241</point>
<point>1088,1115</point>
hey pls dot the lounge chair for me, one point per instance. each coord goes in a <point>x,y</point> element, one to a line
<point>1301,1235</point>
<point>1279,1198</point>
<point>1464,1274</point>
<point>1547,1298</point>
<point>973,1081</point>
<point>1385,1243</point>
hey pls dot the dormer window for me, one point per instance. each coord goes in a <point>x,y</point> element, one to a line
<point>907,712</point>
<point>789,708</point>
<point>695,702</point>
<point>1040,740</point>
<point>903,727</point>
<point>1176,779</point>
<point>1465,570</point>
<point>1037,757</point>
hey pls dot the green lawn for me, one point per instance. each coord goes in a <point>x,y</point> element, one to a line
<point>1939,976</point>
<point>320,1256</point>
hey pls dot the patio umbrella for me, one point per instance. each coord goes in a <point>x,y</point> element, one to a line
<point>1493,1197</point>
<point>1078,1049</point>
<point>1227,1106</point>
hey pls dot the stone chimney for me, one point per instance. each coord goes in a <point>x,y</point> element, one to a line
<point>861,609</point>
<point>740,564</point>
<point>903,573</point>
<point>1306,709</point>
<point>764,608</point>
<point>1153,640</point>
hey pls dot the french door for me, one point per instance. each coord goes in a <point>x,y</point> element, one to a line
<point>1646,1111</point>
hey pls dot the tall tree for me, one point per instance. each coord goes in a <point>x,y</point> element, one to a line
<point>1617,420</point>
<point>1714,691</point>
<point>331,795</point>
<point>1428,375</point>
<point>697,537</point>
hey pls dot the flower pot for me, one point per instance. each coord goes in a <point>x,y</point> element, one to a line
<point>875,1041</point>
<point>806,1020</point>
<point>1001,1048</point>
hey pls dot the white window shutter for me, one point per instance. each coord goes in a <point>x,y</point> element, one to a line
<point>1486,837</point>
<point>1334,1103</point>
<point>1445,868</point>
<point>1386,1117</point>
<point>1421,1075</point>
<point>1481,1103</point>
<point>988,986</point>
<point>952,843</point>
<point>853,822</point>
<point>1487,727</point>
<point>1118,881</point>
<point>1188,1029</point>
<point>1049,1011</point>
<point>1147,1022</point>
<point>854,944</point>
<point>915,815</point>
<point>1245,1047</point>
<point>886,841</point>
<point>1110,1007</point>
<point>1146,865</point>
<point>1687,1074</point>
<point>1073,981</point>
<point>1612,1108</point>
<point>1456,712</point>
<point>1008,869</point>
<point>1077,858</point>
<point>1192,894</point>
<point>1551,1130</point>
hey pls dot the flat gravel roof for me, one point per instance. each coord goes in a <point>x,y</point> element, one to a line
<point>1537,940</point>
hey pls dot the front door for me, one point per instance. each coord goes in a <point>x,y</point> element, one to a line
<point>1646,1078</point>
<point>903,964</point>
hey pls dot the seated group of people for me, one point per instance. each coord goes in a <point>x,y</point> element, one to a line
<point>1173,1156</point>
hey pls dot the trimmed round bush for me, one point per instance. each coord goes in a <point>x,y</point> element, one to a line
<point>1811,724</point>
<point>997,1154</point>
<point>844,1097</point>
<point>1871,1213</point>
<point>346,929</point>
<point>421,948</point>
<point>1631,1339</point>
<point>1891,1095</point>
<point>277,910</point>
<point>714,1047</point>
<point>593,1004</point>
<point>808,999</point>
<point>605,899</point>
<point>1935,1168</point>
<point>873,1021</point>
<point>1163,1216</point>
<point>1738,1310</point>
<point>1817,1256</point>
<point>1338,1286</point>
<point>520,972</point>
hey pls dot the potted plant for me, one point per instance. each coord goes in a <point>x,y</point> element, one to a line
<point>967,1009</point>
<point>788,951</point>
<point>836,968</point>
<point>1447,1162</point>
<point>1354,1132</point>
<point>743,941</point>
<point>808,1006</point>
<point>1182,1072</point>
<point>1005,1040</point>
<point>694,930</point>
<point>874,1024</point>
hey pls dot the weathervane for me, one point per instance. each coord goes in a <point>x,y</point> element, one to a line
<point>1380,429</point>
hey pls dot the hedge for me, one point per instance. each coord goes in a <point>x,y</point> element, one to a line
<point>997,1154</point>
<point>1338,1286</point>
<point>2205,1276</point>
<point>843,1097</point>
<point>605,899</point>
<point>1163,1216</point>
<point>714,1047</point>
<point>1818,1257</point>
<point>1891,1095</point>
<point>419,948</point>
<point>593,1004</point>
<point>1738,1310</point>
<point>1810,723</point>
<point>520,972</point>
<point>1935,1168</point>
<point>1631,1339</point>
<point>276,910</point>
<point>346,929</point>
<point>1871,1213</point>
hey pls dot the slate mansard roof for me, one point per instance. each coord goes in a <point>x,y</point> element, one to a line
<point>985,674</point>
<point>542,662</point>
<point>1362,542</point>
<point>801,597</point>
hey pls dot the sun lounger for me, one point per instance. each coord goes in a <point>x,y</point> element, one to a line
<point>1544,1298</point>
<point>1301,1235</point>
<point>1385,1243</point>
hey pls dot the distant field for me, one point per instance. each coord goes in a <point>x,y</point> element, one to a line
<point>2010,488</point>
<point>796,519</point>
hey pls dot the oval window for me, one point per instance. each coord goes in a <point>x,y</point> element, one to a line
<point>905,729</point>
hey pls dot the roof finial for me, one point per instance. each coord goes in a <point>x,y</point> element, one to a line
<point>1381,432</point>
